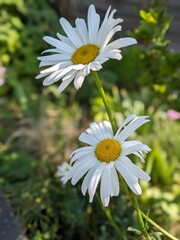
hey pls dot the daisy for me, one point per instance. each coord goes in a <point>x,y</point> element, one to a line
<point>84,48</point>
<point>63,171</point>
<point>106,156</point>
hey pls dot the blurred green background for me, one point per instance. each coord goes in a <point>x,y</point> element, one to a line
<point>39,128</point>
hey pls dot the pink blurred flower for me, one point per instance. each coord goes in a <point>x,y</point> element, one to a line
<point>173,115</point>
<point>2,72</point>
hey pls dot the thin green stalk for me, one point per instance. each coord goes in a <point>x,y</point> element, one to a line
<point>129,193</point>
<point>105,101</point>
<point>158,227</point>
<point>136,205</point>
<point>108,214</point>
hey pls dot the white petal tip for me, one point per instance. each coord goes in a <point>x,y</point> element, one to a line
<point>73,182</point>
<point>148,178</point>
<point>83,193</point>
<point>138,193</point>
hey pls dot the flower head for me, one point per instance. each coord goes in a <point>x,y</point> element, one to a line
<point>63,171</point>
<point>86,47</point>
<point>107,155</point>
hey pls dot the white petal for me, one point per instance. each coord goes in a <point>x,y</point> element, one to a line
<point>124,123</point>
<point>106,17</point>
<point>105,187</point>
<point>71,71</point>
<point>114,182</point>
<point>48,63</point>
<point>134,169</point>
<point>95,65</point>
<point>106,55</point>
<point>81,152</point>
<point>135,148</point>
<point>107,25</point>
<point>96,131</point>
<point>128,144</point>
<point>64,84</point>
<point>70,74</point>
<point>88,177</point>
<point>55,57</point>
<point>51,78</point>
<point>131,179</point>
<point>90,132</point>
<point>66,80</point>
<point>55,67</point>
<point>101,128</point>
<point>60,45</point>
<point>95,180</point>
<point>41,75</point>
<point>79,79</point>
<point>82,31</point>
<point>89,139</point>
<point>65,39</point>
<point>93,23</point>
<point>101,58</point>
<point>110,35</point>
<point>81,168</point>
<point>52,41</point>
<point>52,50</point>
<point>140,155</point>
<point>70,32</point>
<point>102,132</point>
<point>131,127</point>
<point>124,42</point>
<point>87,69</point>
<point>106,129</point>
<point>120,43</point>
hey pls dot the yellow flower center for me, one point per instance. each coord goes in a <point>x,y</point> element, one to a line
<point>108,150</point>
<point>85,54</point>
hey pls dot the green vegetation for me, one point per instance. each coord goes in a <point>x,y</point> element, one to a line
<point>39,128</point>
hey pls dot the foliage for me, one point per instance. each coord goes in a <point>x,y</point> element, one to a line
<point>22,25</point>
<point>151,63</point>
<point>39,128</point>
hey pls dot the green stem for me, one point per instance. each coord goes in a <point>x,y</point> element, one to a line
<point>129,193</point>
<point>136,205</point>
<point>108,214</point>
<point>105,101</point>
<point>158,227</point>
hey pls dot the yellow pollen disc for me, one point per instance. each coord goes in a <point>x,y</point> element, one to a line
<point>85,54</point>
<point>108,150</point>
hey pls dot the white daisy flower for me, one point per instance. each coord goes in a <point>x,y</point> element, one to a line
<point>63,171</point>
<point>86,47</point>
<point>107,155</point>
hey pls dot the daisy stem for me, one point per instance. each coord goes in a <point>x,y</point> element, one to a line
<point>108,214</point>
<point>147,219</point>
<point>157,226</point>
<point>136,205</point>
<point>105,101</point>
<point>134,202</point>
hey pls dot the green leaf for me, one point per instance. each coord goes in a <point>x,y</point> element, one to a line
<point>147,16</point>
<point>135,230</point>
